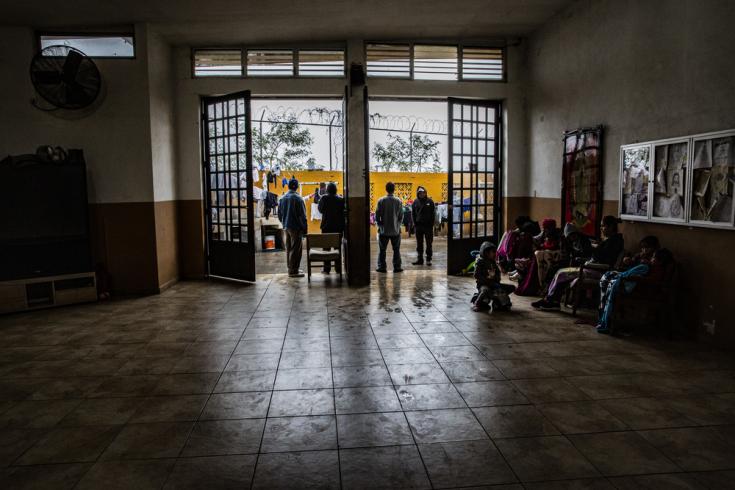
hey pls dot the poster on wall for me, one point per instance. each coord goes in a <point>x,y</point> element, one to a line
<point>713,180</point>
<point>634,181</point>
<point>670,165</point>
<point>582,180</point>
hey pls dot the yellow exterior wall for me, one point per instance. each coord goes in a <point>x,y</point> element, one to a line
<point>435,184</point>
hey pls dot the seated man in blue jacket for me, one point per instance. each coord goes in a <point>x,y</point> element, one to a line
<point>292,214</point>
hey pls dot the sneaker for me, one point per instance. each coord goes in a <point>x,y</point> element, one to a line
<point>476,308</point>
<point>396,271</point>
<point>418,262</point>
<point>380,270</point>
<point>428,262</point>
<point>296,274</point>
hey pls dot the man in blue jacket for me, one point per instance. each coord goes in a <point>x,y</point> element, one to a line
<point>292,214</point>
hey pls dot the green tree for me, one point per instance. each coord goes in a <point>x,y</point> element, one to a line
<point>283,141</point>
<point>420,154</point>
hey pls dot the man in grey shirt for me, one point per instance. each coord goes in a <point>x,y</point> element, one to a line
<point>388,216</point>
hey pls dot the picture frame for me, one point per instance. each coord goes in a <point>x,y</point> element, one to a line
<point>635,182</point>
<point>688,180</point>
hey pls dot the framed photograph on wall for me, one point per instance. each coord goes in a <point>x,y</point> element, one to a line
<point>635,176</point>
<point>581,188</point>
<point>670,180</point>
<point>713,178</point>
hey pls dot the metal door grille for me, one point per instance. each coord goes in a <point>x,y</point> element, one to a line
<point>474,168</point>
<point>228,185</point>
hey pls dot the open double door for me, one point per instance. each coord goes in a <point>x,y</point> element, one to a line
<point>474,182</point>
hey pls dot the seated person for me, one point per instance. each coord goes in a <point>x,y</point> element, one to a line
<point>648,246</point>
<point>548,252</point>
<point>526,270</point>
<point>487,277</point>
<point>653,272</point>
<point>608,251</point>
<point>511,244</point>
<point>576,250</point>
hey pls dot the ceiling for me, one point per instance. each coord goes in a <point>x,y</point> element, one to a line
<point>268,21</point>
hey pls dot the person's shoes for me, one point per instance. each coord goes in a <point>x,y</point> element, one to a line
<point>396,271</point>
<point>601,329</point>
<point>543,304</point>
<point>418,262</point>
<point>428,262</point>
<point>296,274</point>
<point>476,308</point>
<point>381,270</point>
<point>550,305</point>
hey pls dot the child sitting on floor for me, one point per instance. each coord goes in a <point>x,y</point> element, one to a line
<point>487,276</point>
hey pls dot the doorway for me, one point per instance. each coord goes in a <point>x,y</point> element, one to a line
<point>451,147</point>
<point>294,137</point>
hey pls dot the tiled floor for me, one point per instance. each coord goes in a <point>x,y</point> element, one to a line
<point>285,385</point>
<point>275,262</point>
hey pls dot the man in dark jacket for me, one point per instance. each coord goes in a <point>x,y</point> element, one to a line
<point>332,208</point>
<point>292,214</point>
<point>423,211</point>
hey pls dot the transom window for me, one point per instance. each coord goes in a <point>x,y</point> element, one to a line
<point>435,62</point>
<point>93,45</point>
<point>267,63</point>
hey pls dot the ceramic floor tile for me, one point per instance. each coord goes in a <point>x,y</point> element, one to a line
<point>514,421</point>
<point>366,399</point>
<point>70,445</point>
<point>237,405</point>
<point>622,453</point>
<point>212,472</point>
<point>373,429</point>
<point>146,474</point>
<point>545,458</point>
<point>301,402</point>
<point>452,464</point>
<point>414,374</point>
<point>356,376</point>
<point>581,417</point>
<point>218,437</point>
<point>397,467</point>
<point>300,434</point>
<point>694,449</point>
<point>428,397</point>
<point>445,426</point>
<point>490,393</point>
<point>297,470</point>
<point>142,441</point>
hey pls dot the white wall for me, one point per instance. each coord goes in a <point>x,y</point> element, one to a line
<point>646,70</point>
<point>189,90</point>
<point>115,137</point>
<point>161,106</point>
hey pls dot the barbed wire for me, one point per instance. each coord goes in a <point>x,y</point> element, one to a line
<point>323,116</point>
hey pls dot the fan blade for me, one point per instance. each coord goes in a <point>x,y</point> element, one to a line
<point>71,66</point>
<point>76,95</point>
<point>47,77</point>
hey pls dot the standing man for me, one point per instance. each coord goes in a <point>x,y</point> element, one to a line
<point>388,217</point>
<point>332,208</point>
<point>292,214</point>
<point>423,210</point>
